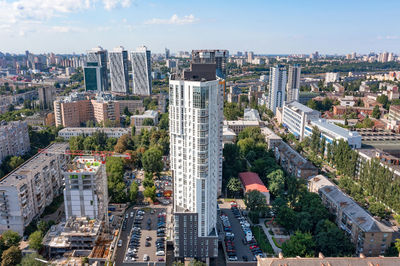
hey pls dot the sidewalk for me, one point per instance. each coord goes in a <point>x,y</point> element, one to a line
<point>275,248</point>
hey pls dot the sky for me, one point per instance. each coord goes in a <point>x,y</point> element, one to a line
<point>265,27</point>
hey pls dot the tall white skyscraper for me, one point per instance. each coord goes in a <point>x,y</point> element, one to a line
<point>119,70</point>
<point>141,71</point>
<point>293,84</point>
<point>195,113</point>
<point>277,87</point>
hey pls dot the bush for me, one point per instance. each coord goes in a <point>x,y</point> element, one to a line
<point>254,217</point>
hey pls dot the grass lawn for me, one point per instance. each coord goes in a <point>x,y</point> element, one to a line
<point>262,240</point>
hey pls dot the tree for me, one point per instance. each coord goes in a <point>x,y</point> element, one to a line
<point>152,160</point>
<point>376,113</point>
<point>150,192</point>
<point>331,241</point>
<point>377,209</point>
<point>11,256</point>
<point>30,260</point>
<point>397,245</point>
<point>35,240</point>
<point>11,238</point>
<point>164,122</point>
<point>76,143</point>
<point>300,244</point>
<point>124,143</point>
<point>312,104</point>
<point>133,192</point>
<point>15,161</point>
<point>315,139</point>
<point>126,111</point>
<point>286,217</point>
<point>276,181</point>
<point>148,122</point>
<point>234,185</point>
<point>254,199</point>
<point>384,100</point>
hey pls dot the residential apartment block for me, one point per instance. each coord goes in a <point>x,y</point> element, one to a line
<point>239,125</point>
<point>369,236</point>
<point>118,59</point>
<point>137,120</point>
<point>293,84</point>
<point>75,109</point>
<point>277,87</point>
<point>295,116</point>
<point>141,71</point>
<point>26,191</point>
<point>14,139</point>
<point>111,132</point>
<point>195,114</point>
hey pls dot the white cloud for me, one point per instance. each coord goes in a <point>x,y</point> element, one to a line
<point>111,4</point>
<point>66,29</point>
<point>174,20</point>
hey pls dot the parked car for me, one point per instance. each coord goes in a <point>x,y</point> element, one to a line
<point>120,243</point>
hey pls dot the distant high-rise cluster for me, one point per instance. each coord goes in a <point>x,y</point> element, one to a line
<point>96,75</point>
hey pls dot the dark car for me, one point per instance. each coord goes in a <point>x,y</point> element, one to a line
<point>245,258</point>
<point>147,244</point>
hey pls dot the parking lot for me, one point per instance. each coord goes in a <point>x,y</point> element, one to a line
<point>146,242</point>
<point>241,248</point>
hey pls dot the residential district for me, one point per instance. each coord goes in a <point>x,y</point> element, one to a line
<point>201,158</point>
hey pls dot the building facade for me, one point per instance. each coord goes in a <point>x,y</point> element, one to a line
<point>26,191</point>
<point>218,57</point>
<point>119,70</point>
<point>137,120</point>
<point>46,97</point>
<point>277,87</point>
<point>293,84</point>
<point>195,115</point>
<point>369,236</point>
<point>96,69</point>
<point>141,71</point>
<point>86,190</point>
<point>14,139</point>
<point>111,132</point>
<point>295,116</point>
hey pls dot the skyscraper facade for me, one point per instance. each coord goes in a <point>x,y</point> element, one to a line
<point>293,84</point>
<point>92,75</point>
<point>195,113</point>
<point>119,70</point>
<point>218,57</point>
<point>167,53</point>
<point>141,71</point>
<point>97,57</point>
<point>277,87</point>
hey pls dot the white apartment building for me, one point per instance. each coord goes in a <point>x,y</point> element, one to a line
<point>331,77</point>
<point>293,84</point>
<point>141,71</point>
<point>137,120</point>
<point>26,191</point>
<point>277,87</point>
<point>119,70</point>
<point>14,139</point>
<point>295,116</point>
<point>195,113</point>
<point>332,132</point>
<point>86,190</point>
<point>111,132</point>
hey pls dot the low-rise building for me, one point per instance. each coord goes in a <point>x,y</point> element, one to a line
<point>137,120</point>
<point>239,125</point>
<point>78,233</point>
<point>251,181</point>
<point>270,137</point>
<point>251,115</point>
<point>41,119</point>
<point>369,236</point>
<point>338,87</point>
<point>111,132</point>
<point>295,116</point>
<point>14,139</point>
<point>292,161</point>
<point>387,160</point>
<point>228,136</point>
<point>394,112</point>
<point>332,132</point>
<point>348,101</point>
<point>341,110</point>
<point>26,191</point>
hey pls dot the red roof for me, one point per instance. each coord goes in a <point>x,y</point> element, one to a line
<point>251,181</point>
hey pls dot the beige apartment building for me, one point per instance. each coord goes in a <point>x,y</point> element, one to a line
<point>14,139</point>
<point>369,236</point>
<point>73,110</point>
<point>26,191</point>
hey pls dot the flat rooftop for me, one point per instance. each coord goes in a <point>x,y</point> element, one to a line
<point>296,106</point>
<point>84,164</point>
<point>35,163</point>
<point>241,123</point>
<point>93,129</point>
<point>325,125</point>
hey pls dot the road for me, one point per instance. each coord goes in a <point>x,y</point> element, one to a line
<point>120,253</point>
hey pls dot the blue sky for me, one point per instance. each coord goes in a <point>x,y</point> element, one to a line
<point>267,27</point>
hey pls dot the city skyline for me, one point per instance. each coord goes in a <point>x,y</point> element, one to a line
<point>270,28</point>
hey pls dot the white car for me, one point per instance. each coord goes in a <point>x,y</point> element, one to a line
<point>120,243</point>
<point>145,257</point>
<point>126,216</point>
<point>232,258</point>
<point>229,234</point>
<point>160,253</point>
<point>131,214</point>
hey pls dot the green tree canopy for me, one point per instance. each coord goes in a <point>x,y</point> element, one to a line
<point>11,238</point>
<point>254,199</point>
<point>30,260</point>
<point>35,240</point>
<point>152,160</point>
<point>300,244</point>
<point>11,256</point>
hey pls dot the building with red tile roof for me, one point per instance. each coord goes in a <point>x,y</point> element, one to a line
<point>251,181</point>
